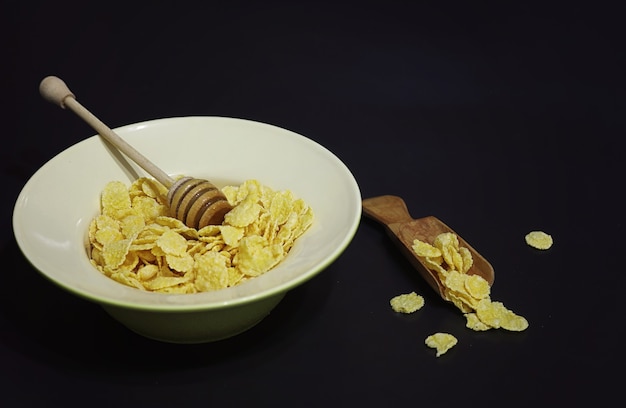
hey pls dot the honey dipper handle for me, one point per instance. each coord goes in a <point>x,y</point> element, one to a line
<point>54,90</point>
<point>387,209</point>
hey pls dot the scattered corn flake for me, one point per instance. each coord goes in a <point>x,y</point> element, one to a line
<point>539,240</point>
<point>442,342</point>
<point>407,303</point>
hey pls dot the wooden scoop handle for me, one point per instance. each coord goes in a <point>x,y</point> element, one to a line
<point>54,90</point>
<point>387,209</point>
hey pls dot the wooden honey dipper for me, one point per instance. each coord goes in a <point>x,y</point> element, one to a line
<point>195,202</point>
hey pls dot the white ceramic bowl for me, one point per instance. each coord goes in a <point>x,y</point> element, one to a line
<point>54,209</point>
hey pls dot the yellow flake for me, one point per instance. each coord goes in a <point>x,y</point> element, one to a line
<point>496,315</point>
<point>539,240</point>
<point>467,259</point>
<point>442,342</point>
<point>172,243</point>
<point>474,323</point>
<point>114,253</point>
<point>477,287</point>
<point>115,199</point>
<point>231,234</point>
<point>407,303</point>
<point>256,256</point>
<point>424,249</point>
<point>244,213</point>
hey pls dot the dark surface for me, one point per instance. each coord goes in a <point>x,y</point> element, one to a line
<point>497,119</point>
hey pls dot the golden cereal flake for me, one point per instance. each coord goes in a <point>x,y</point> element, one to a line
<point>496,315</point>
<point>244,213</point>
<point>424,249</point>
<point>477,287</point>
<point>172,243</point>
<point>448,243</point>
<point>114,253</point>
<point>442,342</point>
<point>407,303</point>
<point>539,240</point>
<point>467,259</point>
<point>115,199</point>
<point>474,323</point>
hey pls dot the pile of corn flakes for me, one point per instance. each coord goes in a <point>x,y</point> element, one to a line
<point>136,243</point>
<point>469,293</point>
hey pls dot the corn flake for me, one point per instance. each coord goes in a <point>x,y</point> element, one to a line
<point>172,243</point>
<point>115,199</point>
<point>424,249</point>
<point>442,342</point>
<point>477,287</point>
<point>114,253</point>
<point>474,323</point>
<point>257,256</point>
<point>407,303</point>
<point>496,315</point>
<point>539,240</point>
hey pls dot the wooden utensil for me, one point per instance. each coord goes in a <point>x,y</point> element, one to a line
<point>195,202</point>
<point>391,211</point>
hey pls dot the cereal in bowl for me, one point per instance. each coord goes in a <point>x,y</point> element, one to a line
<point>136,243</point>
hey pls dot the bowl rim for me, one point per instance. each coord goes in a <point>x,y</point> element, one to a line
<point>204,300</point>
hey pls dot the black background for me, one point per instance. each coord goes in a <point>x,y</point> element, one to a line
<point>497,117</point>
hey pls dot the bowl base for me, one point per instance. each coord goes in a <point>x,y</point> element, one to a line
<point>194,327</point>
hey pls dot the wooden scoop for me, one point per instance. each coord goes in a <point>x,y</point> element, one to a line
<point>195,202</point>
<point>391,211</point>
